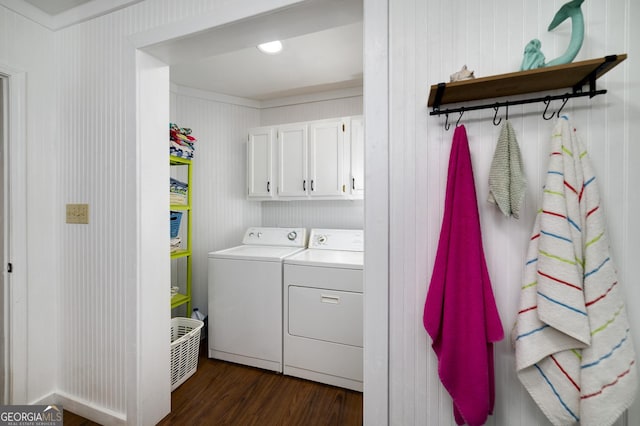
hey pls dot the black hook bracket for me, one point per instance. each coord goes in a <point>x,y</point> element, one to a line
<point>495,123</point>
<point>564,102</point>
<point>461,112</point>
<point>547,101</point>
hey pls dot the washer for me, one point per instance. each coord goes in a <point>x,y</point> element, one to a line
<point>245,297</point>
<point>323,299</point>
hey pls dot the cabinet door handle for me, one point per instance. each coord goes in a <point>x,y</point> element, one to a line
<point>353,183</point>
<point>304,185</point>
<point>268,186</point>
<point>312,185</point>
<point>329,298</point>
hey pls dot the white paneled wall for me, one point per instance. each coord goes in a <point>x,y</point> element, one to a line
<point>316,214</point>
<point>28,48</point>
<point>221,212</point>
<point>429,41</point>
<point>98,157</point>
<point>96,130</point>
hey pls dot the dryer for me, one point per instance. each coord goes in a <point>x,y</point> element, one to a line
<point>245,297</point>
<point>323,302</point>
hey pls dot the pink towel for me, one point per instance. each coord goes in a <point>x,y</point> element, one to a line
<point>460,313</point>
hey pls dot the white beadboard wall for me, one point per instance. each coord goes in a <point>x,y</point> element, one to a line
<point>221,212</point>
<point>313,214</point>
<point>429,41</point>
<point>97,164</point>
<point>27,47</point>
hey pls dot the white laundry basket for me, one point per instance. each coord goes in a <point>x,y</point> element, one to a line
<point>185,346</point>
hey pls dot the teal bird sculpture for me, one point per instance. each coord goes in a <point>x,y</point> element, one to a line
<point>533,56</point>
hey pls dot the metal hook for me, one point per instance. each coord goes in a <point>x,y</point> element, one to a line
<point>461,112</point>
<point>447,126</point>
<point>547,101</point>
<point>564,102</point>
<point>496,108</point>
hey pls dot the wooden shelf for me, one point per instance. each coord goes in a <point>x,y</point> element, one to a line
<point>574,75</point>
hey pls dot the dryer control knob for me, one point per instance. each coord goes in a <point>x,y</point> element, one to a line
<point>322,239</point>
<point>292,235</point>
<point>259,234</point>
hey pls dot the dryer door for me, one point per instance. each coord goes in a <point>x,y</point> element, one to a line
<point>329,315</point>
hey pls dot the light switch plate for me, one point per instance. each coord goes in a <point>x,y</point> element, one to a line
<point>77,213</point>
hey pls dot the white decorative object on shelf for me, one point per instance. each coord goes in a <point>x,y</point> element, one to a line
<point>463,74</point>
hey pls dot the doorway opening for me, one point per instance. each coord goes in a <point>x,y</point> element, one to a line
<point>173,50</point>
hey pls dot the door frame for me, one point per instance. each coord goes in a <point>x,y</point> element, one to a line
<point>15,310</point>
<point>377,228</point>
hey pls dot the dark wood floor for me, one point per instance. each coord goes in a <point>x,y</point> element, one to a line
<point>222,393</point>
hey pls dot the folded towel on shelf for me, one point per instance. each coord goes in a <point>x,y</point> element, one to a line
<point>181,143</point>
<point>507,183</point>
<point>177,199</point>
<point>184,148</point>
<point>460,313</point>
<point>574,353</point>
<point>175,244</point>
<point>178,191</point>
<point>180,153</point>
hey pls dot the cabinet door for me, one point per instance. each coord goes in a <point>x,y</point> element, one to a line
<point>356,157</point>
<point>259,163</point>
<point>292,155</point>
<point>326,156</point>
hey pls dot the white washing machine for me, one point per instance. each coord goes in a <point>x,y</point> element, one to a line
<point>323,300</point>
<point>245,297</point>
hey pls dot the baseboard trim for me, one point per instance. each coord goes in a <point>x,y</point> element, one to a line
<point>85,409</point>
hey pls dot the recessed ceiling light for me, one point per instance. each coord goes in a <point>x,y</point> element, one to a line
<point>271,47</point>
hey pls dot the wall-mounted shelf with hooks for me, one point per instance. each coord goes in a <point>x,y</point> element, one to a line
<point>575,75</point>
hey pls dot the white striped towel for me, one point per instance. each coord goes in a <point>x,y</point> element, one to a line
<point>574,353</point>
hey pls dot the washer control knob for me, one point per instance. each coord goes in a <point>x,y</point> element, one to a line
<point>251,234</point>
<point>259,234</point>
<point>322,239</point>
<point>292,235</point>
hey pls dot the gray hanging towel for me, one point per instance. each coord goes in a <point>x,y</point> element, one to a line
<point>507,183</point>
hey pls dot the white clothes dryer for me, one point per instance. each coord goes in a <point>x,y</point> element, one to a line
<point>245,297</point>
<point>323,301</point>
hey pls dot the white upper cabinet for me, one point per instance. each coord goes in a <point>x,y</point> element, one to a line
<point>260,163</point>
<point>321,159</point>
<point>326,158</point>
<point>292,155</point>
<point>356,156</point>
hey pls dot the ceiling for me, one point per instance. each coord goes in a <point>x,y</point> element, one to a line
<point>55,7</point>
<point>323,60</point>
<point>322,47</point>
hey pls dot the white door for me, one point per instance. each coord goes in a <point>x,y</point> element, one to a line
<point>292,155</point>
<point>260,163</point>
<point>326,156</point>
<point>356,156</point>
